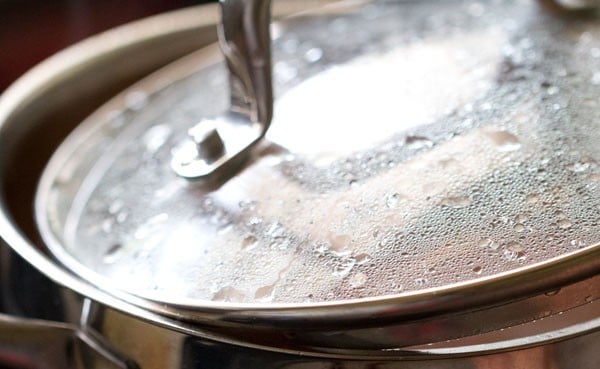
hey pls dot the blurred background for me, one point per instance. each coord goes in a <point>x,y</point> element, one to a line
<point>32,30</point>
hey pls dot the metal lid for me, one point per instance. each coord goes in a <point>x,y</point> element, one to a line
<point>414,145</point>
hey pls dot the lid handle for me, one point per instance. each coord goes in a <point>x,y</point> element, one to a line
<point>246,43</point>
<point>223,142</point>
<point>216,144</point>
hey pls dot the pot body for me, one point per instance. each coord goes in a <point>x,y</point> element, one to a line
<point>70,331</point>
<point>51,320</point>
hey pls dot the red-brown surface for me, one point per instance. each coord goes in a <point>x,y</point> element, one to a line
<point>31,30</point>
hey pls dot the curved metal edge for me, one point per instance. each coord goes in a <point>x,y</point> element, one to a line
<point>72,60</point>
<point>42,78</point>
<point>481,293</point>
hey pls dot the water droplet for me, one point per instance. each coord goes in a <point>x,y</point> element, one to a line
<point>579,167</point>
<point>456,201</point>
<point>564,223</point>
<point>150,225</point>
<point>249,242</point>
<point>280,244</point>
<point>418,142</point>
<point>275,230</point>
<point>116,206</point>
<point>321,249</point>
<point>136,100</point>
<point>107,225</point>
<point>513,251</point>
<point>596,78</point>
<point>487,242</point>
<point>156,137</point>
<point>121,217</point>
<point>387,241</point>
<point>519,227</point>
<point>112,254</point>
<point>391,201</point>
<point>532,198</point>
<point>247,205</point>
<point>521,218</point>
<point>254,221</point>
<point>420,281</point>
<point>503,140</point>
<point>594,177</point>
<point>265,293</point>
<point>552,90</point>
<point>344,267</point>
<point>578,243</point>
<point>362,258</point>
<point>552,293</point>
<point>313,55</point>
<point>284,72</point>
<point>477,269</point>
<point>230,294</point>
<point>358,280</point>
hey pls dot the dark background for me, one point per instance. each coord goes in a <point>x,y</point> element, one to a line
<point>31,30</point>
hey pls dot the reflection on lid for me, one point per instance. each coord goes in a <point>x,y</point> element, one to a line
<point>452,148</point>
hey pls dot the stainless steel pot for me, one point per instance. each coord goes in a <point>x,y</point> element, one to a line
<point>530,314</point>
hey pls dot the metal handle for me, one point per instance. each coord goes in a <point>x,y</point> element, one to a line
<point>27,343</point>
<point>246,44</point>
<point>216,144</point>
<point>223,142</point>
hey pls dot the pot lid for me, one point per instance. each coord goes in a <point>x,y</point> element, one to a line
<point>414,146</point>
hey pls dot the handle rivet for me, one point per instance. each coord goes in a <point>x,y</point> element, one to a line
<point>209,144</point>
<point>215,144</point>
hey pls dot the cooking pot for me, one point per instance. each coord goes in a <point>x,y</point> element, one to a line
<point>422,193</point>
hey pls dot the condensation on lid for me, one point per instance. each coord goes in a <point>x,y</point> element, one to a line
<point>414,145</point>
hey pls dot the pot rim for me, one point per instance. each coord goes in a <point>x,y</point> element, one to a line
<point>459,296</point>
<point>482,292</point>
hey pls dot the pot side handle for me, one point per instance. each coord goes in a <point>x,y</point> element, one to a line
<point>33,343</point>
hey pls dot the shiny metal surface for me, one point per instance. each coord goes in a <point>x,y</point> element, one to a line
<point>40,344</point>
<point>508,205</point>
<point>186,350</point>
<point>162,348</point>
<point>182,351</point>
<point>245,42</point>
<point>540,271</point>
